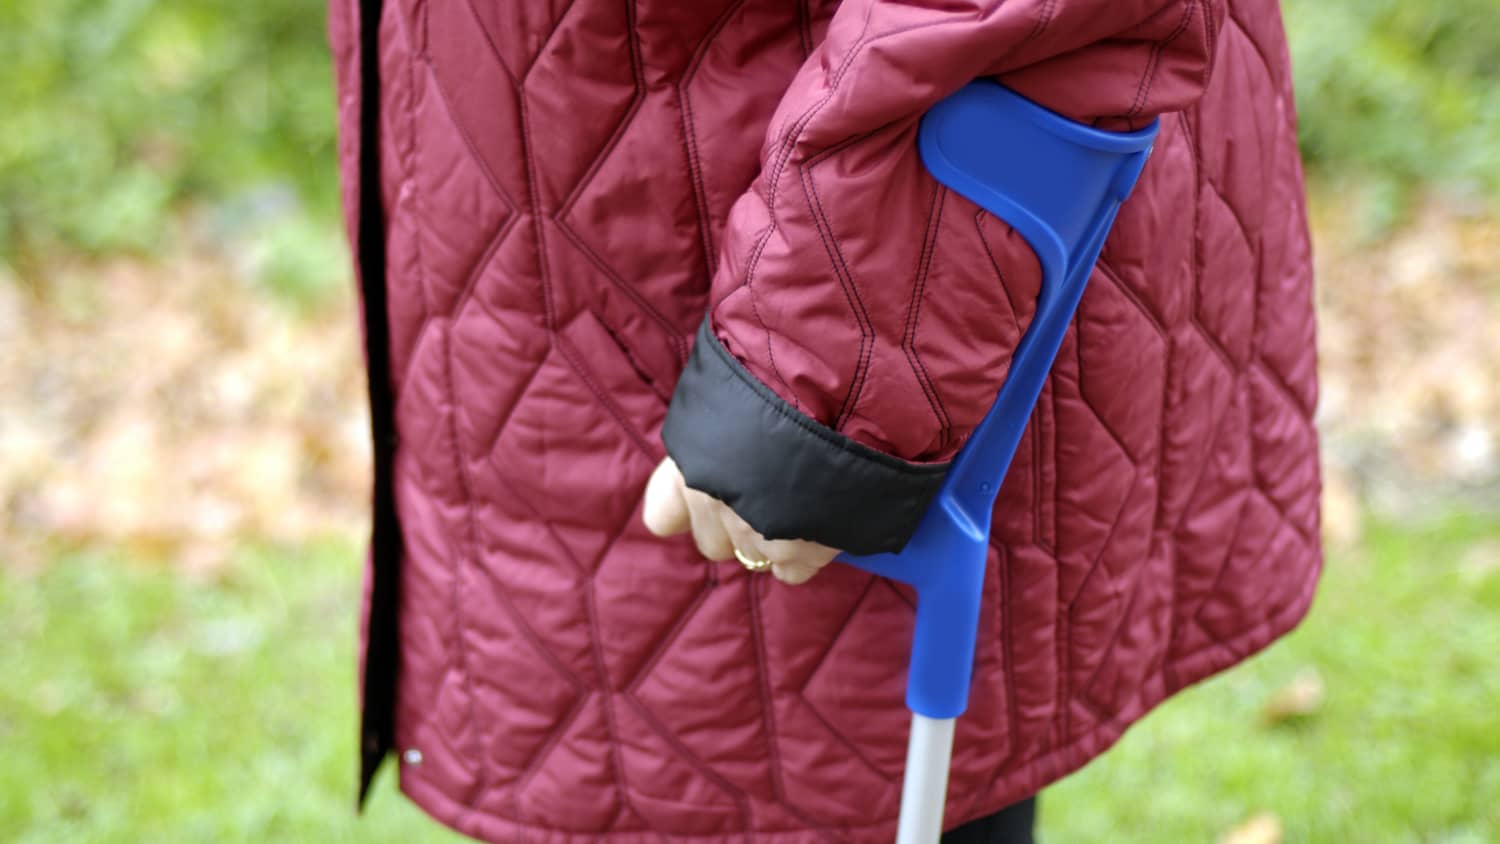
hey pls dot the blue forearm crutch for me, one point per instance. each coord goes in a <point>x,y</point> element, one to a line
<point>1059,184</point>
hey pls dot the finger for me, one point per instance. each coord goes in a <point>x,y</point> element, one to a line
<point>794,574</point>
<point>800,551</point>
<point>799,560</point>
<point>708,527</point>
<point>793,561</point>
<point>664,510</point>
<point>744,537</point>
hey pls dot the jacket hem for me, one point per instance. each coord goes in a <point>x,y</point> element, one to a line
<point>1007,788</point>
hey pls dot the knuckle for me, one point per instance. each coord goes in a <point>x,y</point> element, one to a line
<point>714,547</point>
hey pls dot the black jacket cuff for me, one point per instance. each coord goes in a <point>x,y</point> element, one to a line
<point>780,470</point>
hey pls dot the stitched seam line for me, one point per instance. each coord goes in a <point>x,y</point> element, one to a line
<point>470,285</point>
<point>801,690</point>
<point>848,617</point>
<point>1166,395</point>
<point>637,97</point>
<point>669,330</point>
<point>507,226</point>
<point>1250,634</point>
<point>580,687</point>
<point>854,749</point>
<point>546,41</point>
<point>913,314</point>
<point>1064,630</point>
<point>602,396</point>
<point>1303,596</point>
<point>690,134</point>
<point>641,370</point>
<point>1043,19</point>
<point>804,28</point>
<point>1034,431</point>
<point>1143,90</point>
<point>1113,275</point>
<point>772,183</point>
<point>1211,47</point>
<point>484,776</point>
<point>1229,555</point>
<point>554,736</point>
<point>1259,365</point>
<point>1223,566</point>
<point>660,648</point>
<point>876,459</point>
<point>606,701</point>
<point>824,227</point>
<point>482,772</point>
<point>787,144</point>
<point>735,794</point>
<point>1260,51</point>
<point>473,149</point>
<point>1012,703</point>
<point>1098,562</point>
<point>789,140</point>
<point>1233,363</point>
<point>1086,693</point>
<point>536,219</point>
<point>1015,311</point>
<point>1083,396</point>
<point>1278,506</point>
<point>585,574</point>
<point>763,681</point>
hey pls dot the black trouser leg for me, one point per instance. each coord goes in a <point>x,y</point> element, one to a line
<point>1012,825</point>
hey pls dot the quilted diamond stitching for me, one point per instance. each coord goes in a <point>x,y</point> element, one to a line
<point>846,280</point>
<point>686,755</point>
<point>914,313</point>
<point>772,182</point>
<point>541,249</point>
<point>812,706</point>
<point>602,686</point>
<point>459,645</point>
<point>689,133</point>
<point>1256,364</point>
<point>507,225</point>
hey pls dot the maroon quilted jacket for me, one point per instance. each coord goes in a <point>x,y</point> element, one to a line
<point>590,233</point>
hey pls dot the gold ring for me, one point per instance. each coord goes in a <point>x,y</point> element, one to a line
<point>749,564</point>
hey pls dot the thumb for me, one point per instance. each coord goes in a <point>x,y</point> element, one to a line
<point>665,511</point>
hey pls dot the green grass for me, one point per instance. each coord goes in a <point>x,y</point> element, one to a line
<point>1405,634</point>
<point>143,705</point>
<point>1395,98</point>
<point>140,705</point>
<point>152,128</point>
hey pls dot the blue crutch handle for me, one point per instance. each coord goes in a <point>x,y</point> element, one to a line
<point>1059,184</point>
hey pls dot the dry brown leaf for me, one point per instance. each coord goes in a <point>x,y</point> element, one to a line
<point>1481,561</point>
<point>170,410</point>
<point>1300,698</point>
<point>1342,509</point>
<point>169,406</point>
<point>1264,828</point>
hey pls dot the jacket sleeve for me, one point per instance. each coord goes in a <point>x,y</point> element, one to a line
<point>861,317</point>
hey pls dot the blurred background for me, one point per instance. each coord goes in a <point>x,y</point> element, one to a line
<point>183,466</point>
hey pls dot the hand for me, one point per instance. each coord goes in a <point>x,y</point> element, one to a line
<point>673,507</point>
